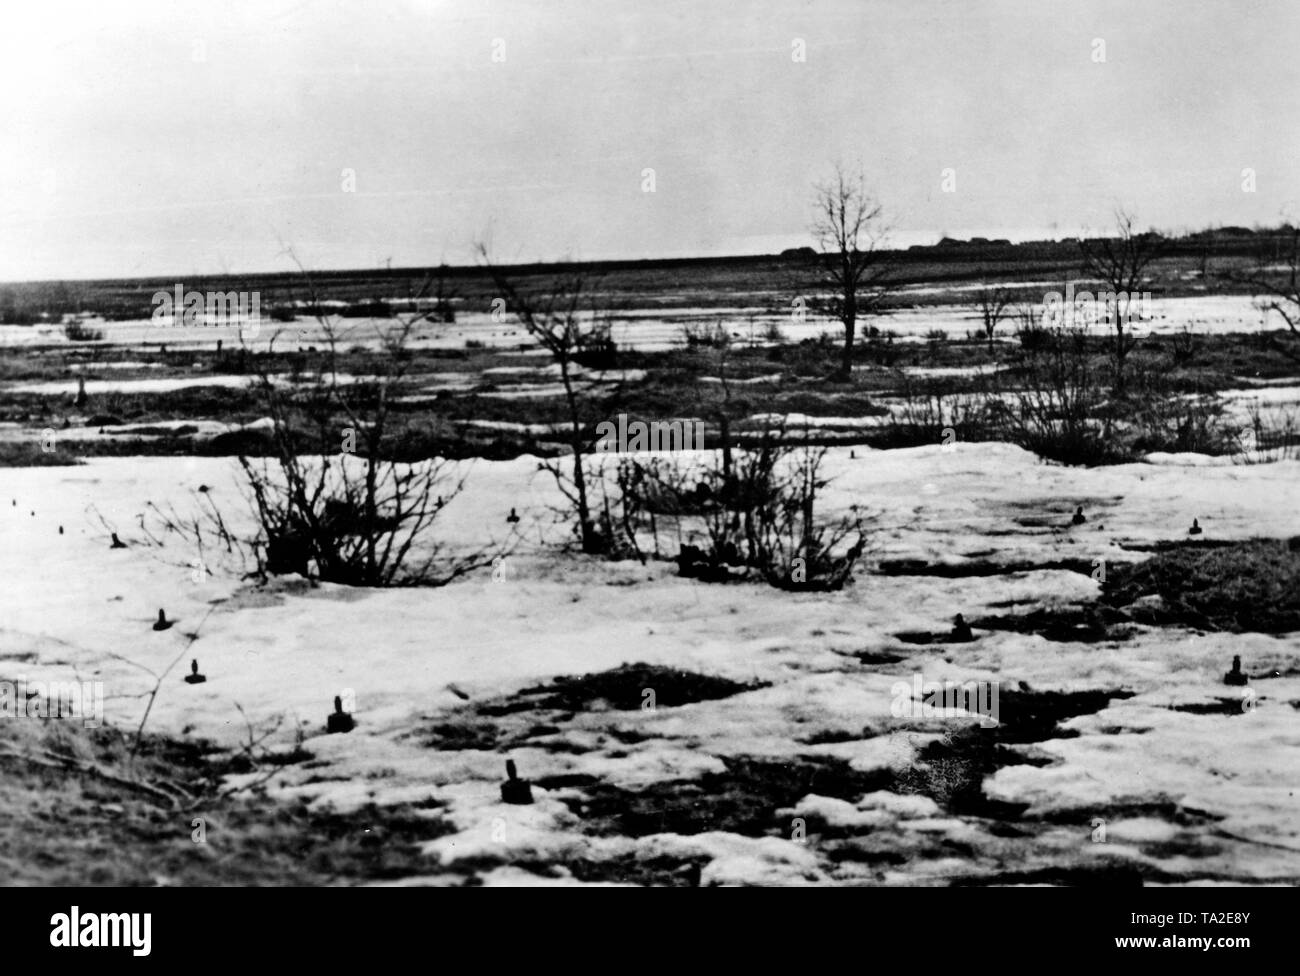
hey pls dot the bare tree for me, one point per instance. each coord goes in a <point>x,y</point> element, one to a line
<point>1275,281</point>
<point>1121,262</point>
<point>437,287</point>
<point>848,228</point>
<point>563,318</point>
<point>993,305</point>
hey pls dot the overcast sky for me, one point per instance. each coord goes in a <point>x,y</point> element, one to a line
<point>178,138</point>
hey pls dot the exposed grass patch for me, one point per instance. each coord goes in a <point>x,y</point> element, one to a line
<point>1246,586</point>
<point>467,733</point>
<point>25,454</point>
<point>64,827</point>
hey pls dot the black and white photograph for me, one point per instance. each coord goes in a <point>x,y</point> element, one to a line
<point>651,443</point>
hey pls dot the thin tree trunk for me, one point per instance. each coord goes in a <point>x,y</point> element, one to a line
<point>850,333</point>
<point>585,529</point>
<point>1120,351</point>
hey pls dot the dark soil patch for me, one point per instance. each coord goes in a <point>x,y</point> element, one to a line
<point>1121,730</point>
<point>468,734</point>
<point>926,637</point>
<point>998,829</point>
<point>742,800</point>
<point>1221,706</point>
<point>745,798</point>
<point>919,567</point>
<point>915,637</point>
<point>1183,845</point>
<point>623,689</point>
<point>567,781</point>
<point>493,724</point>
<point>148,430</point>
<point>1032,716</point>
<point>539,731</point>
<point>952,770</point>
<point>1176,545</point>
<point>1244,586</point>
<point>1166,810</point>
<point>255,442</point>
<point>658,872</point>
<point>879,658</point>
<point>830,736</point>
<point>1290,672</point>
<point>628,736</point>
<point>1087,624</point>
<point>866,849</point>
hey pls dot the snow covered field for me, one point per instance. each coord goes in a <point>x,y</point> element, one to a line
<point>643,329</point>
<point>1163,770</point>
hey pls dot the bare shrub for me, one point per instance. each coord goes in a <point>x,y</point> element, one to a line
<point>1268,437</point>
<point>1062,410</point>
<point>1184,346</point>
<point>1030,331</point>
<point>707,335</point>
<point>1189,423</point>
<point>562,313</point>
<point>754,516</point>
<point>1055,412</point>
<point>925,411</point>
<point>363,516</point>
<point>796,549</point>
<point>335,488</point>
